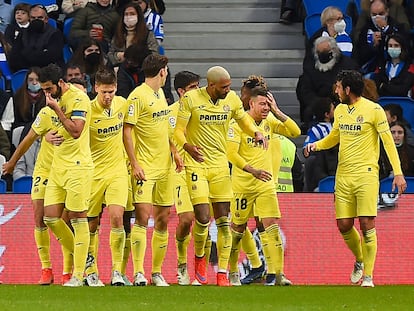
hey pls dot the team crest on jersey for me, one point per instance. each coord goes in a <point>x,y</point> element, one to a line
<point>226,108</point>
<point>360,119</point>
<point>172,121</point>
<point>120,116</point>
<point>131,110</point>
<point>237,214</point>
<point>267,128</point>
<point>230,133</point>
<point>140,192</point>
<point>179,203</point>
<point>194,187</point>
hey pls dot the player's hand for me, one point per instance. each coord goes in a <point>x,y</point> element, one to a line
<point>308,149</point>
<point>138,172</point>
<point>194,151</point>
<point>54,138</point>
<point>261,140</point>
<point>51,102</point>
<point>262,175</point>
<point>272,102</point>
<point>7,168</point>
<point>179,162</point>
<point>399,183</point>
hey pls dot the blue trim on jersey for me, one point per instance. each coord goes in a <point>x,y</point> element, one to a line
<point>78,113</point>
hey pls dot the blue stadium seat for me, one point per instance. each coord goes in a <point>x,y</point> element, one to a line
<point>2,83</point>
<point>22,184</point>
<point>32,2</point>
<point>358,6</point>
<point>317,6</point>
<point>67,24</point>
<point>17,79</point>
<point>327,184</point>
<point>386,185</point>
<point>52,22</point>
<point>3,186</point>
<point>4,65</point>
<point>406,103</point>
<point>313,24</point>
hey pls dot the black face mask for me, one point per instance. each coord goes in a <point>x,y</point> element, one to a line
<point>325,57</point>
<point>93,58</point>
<point>36,25</point>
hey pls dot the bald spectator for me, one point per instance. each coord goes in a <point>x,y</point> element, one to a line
<point>39,45</point>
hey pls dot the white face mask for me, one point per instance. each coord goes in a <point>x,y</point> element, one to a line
<point>374,18</point>
<point>340,26</point>
<point>131,20</point>
<point>394,52</point>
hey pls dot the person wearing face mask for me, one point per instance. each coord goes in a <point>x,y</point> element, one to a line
<point>131,29</point>
<point>333,25</point>
<point>96,21</point>
<point>28,100</point>
<point>396,76</point>
<point>370,49</point>
<point>318,77</point>
<point>40,45</point>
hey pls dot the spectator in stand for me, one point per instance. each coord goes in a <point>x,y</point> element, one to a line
<point>322,163</point>
<point>154,22</point>
<point>70,7</point>
<point>289,11</point>
<point>131,29</point>
<point>405,152</point>
<point>130,73</point>
<point>395,10</point>
<point>40,45</point>
<point>96,21</point>
<point>28,100</point>
<point>396,76</point>
<point>333,25</point>
<point>90,56</point>
<point>394,113</point>
<point>370,48</point>
<point>20,22</point>
<point>6,14</point>
<point>317,80</point>
<point>75,71</point>
<point>6,112</point>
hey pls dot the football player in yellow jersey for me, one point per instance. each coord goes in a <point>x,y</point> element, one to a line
<point>184,81</point>
<point>253,184</point>
<point>150,159</point>
<point>44,126</point>
<point>358,125</point>
<point>201,130</point>
<point>110,177</point>
<point>72,168</point>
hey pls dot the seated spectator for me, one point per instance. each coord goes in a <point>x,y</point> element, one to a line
<point>154,22</point>
<point>4,144</point>
<point>317,80</point>
<point>95,21</point>
<point>396,76</point>
<point>370,90</point>
<point>131,29</point>
<point>130,74</point>
<point>40,45</point>
<point>405,152</point>
<point>395,10</point>
<point>323,163</point>
<point>79,83</point>
<point>333,25</point>
<point>370,48</point>
<point>70,7</point>
<point>90,56</point>
<point>75,71</point>
<point>25,165</point>
<point>21,21</point>
<point>6,14</point>
<point>28,100</point>
<point>6,112</point>
<point>394,113</point>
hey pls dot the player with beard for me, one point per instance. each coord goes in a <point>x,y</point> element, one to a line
<point>358,125</point>
<point>317,80</point>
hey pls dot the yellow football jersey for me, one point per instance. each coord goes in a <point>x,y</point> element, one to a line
<point>46,120</point>
<point>74,152</point>
<point>356,128</point>
<point>148,112</point>
<point>208,124</point>
<point>106,137</point>
<point>172,121</point>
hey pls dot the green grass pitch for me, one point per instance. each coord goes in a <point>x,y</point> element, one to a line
<point>245,298</point>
